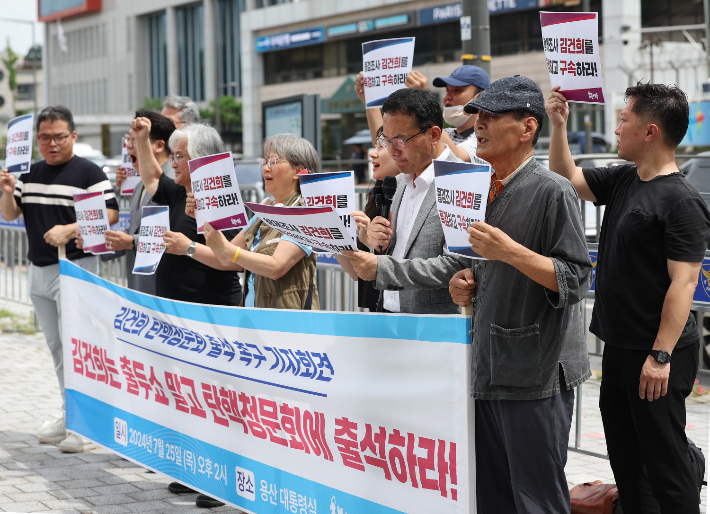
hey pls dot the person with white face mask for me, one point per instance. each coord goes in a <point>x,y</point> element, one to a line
<point>462,86</point>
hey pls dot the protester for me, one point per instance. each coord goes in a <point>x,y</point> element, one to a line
<point>181,110</point>
<point>529,351</point>
<point>279,272</point>
<point>382,166</point>
<point>127,242</point>
<point>44,197</point>
<point>181,274</point>
<point>463,85</point>
<point>415,264</point>
<point>651,247</point>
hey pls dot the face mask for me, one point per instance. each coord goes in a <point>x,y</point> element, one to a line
<point>455,116</point>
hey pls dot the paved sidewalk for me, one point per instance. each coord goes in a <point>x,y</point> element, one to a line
<point>37,477</point>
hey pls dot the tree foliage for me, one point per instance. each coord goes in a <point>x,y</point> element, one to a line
<point>230,111</point>
<point>10,63</point>
<point>152,104</point>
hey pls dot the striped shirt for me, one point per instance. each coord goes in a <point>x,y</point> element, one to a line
<point>45,195</point>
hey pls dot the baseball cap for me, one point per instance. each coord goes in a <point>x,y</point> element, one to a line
<point>467,75</point>
<point>508,94</point>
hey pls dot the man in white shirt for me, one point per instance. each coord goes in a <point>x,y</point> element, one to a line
<point>414,263</point>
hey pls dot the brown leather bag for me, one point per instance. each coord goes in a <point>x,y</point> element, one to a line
<point>594,498</point>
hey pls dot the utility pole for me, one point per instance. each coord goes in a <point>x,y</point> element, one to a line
<point>476,34</point>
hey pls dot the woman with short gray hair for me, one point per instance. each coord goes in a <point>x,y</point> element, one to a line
<point>280,273</point>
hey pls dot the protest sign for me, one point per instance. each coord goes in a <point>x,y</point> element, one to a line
<point>274,410</point>
<point>318,227</point>
<point>385,65</point>
<point>335,189</point>
<point>155,222</point>
<point>91,215</point>
<point>571,44</point>
<point>218,200</point>
<point>132,177</point>
<point>461,198</point>
<point>18,152</point>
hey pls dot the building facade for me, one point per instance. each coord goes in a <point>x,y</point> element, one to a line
<point>120,53</point>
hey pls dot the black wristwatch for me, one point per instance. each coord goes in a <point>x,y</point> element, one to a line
<point>661,356</point>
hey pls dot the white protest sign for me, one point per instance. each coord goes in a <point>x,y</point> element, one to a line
<point>335,189</point>
<point>218,200</point>
<point>385,64</point>
<point>91,215</point>
<point>571,44</point>
<point>318,227</point>
<point>155,222</point>
<point>461,198</point>
<point>132,176</point>
<point>18,152</point>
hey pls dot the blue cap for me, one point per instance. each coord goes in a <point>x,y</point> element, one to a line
<point>467,75</point>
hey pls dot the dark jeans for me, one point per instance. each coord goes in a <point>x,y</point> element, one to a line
<point>521,452</point>
<point>647,434</point>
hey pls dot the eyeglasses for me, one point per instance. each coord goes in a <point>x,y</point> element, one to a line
<point>176,158</point>
<point>270,162</point>
<point>132,140</point>
<point>58,139</point>
<point>399,144</point>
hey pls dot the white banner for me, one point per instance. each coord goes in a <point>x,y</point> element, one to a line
<point>218,200</point>
<point>274,410</point>
<point>461,198</point>
<point>335,189</point>
<point>155,222</point>
<point>318,227</point>
<point>132,177</point>
<point>385,65</point>
<point>18,151</point>
<point>91,215</point>
<point>571,44</point>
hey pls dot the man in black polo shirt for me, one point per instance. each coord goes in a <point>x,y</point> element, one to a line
<point>44,196</point>
<point>653,241</point>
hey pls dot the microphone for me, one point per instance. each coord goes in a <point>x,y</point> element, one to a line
<point>389,188</point>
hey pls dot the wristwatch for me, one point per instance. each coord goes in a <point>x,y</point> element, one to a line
<point>190,252</point>
<point>661,356</point>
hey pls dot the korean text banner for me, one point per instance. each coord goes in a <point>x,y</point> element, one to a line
<point>571,44</point>
<point>461,198</point>
<point>335,189</point>
<point>317,227</point>
<point>155,222</point>
<point>218,200</point>
<point>92,218</point>
<point>385,64</point>
<point>132,177</point>
<point>18,152</point>
<point>273,410</point>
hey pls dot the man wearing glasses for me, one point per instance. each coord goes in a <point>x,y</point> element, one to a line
<point>181,110</point>
<point>160,132</point>
<point>414,267</point>
<point>44,196</point>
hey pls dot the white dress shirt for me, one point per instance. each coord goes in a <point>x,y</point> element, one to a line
<point>414,193</point>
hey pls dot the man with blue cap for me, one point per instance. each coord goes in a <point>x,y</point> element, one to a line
<point>462,86</point>
<point>529,351</point>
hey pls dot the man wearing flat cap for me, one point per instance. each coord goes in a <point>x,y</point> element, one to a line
<point>529,351</point>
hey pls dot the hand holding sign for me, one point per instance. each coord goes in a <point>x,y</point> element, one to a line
<point>386,64</point>
<point>92,218</point>
<point>18,152</point>
<point>571,44</point>
<point>155,223</point>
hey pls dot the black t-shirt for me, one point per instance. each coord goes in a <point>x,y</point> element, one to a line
<point>645,223</point>
<point>180,277</point>
<point>45,195</point>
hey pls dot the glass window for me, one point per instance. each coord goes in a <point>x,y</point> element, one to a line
<point>191,48</point>
<point>228,12</point>
<point>158,56</point>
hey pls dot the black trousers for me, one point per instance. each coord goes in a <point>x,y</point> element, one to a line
<point>647,434</point>
<point>521,452</point>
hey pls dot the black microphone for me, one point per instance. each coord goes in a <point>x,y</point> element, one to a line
<point>389,188</point>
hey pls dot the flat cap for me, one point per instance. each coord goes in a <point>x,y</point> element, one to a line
<point>508,94</point>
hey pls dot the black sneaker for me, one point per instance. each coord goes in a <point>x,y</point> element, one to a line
<point>206,502</point>
<point>178,488</point>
